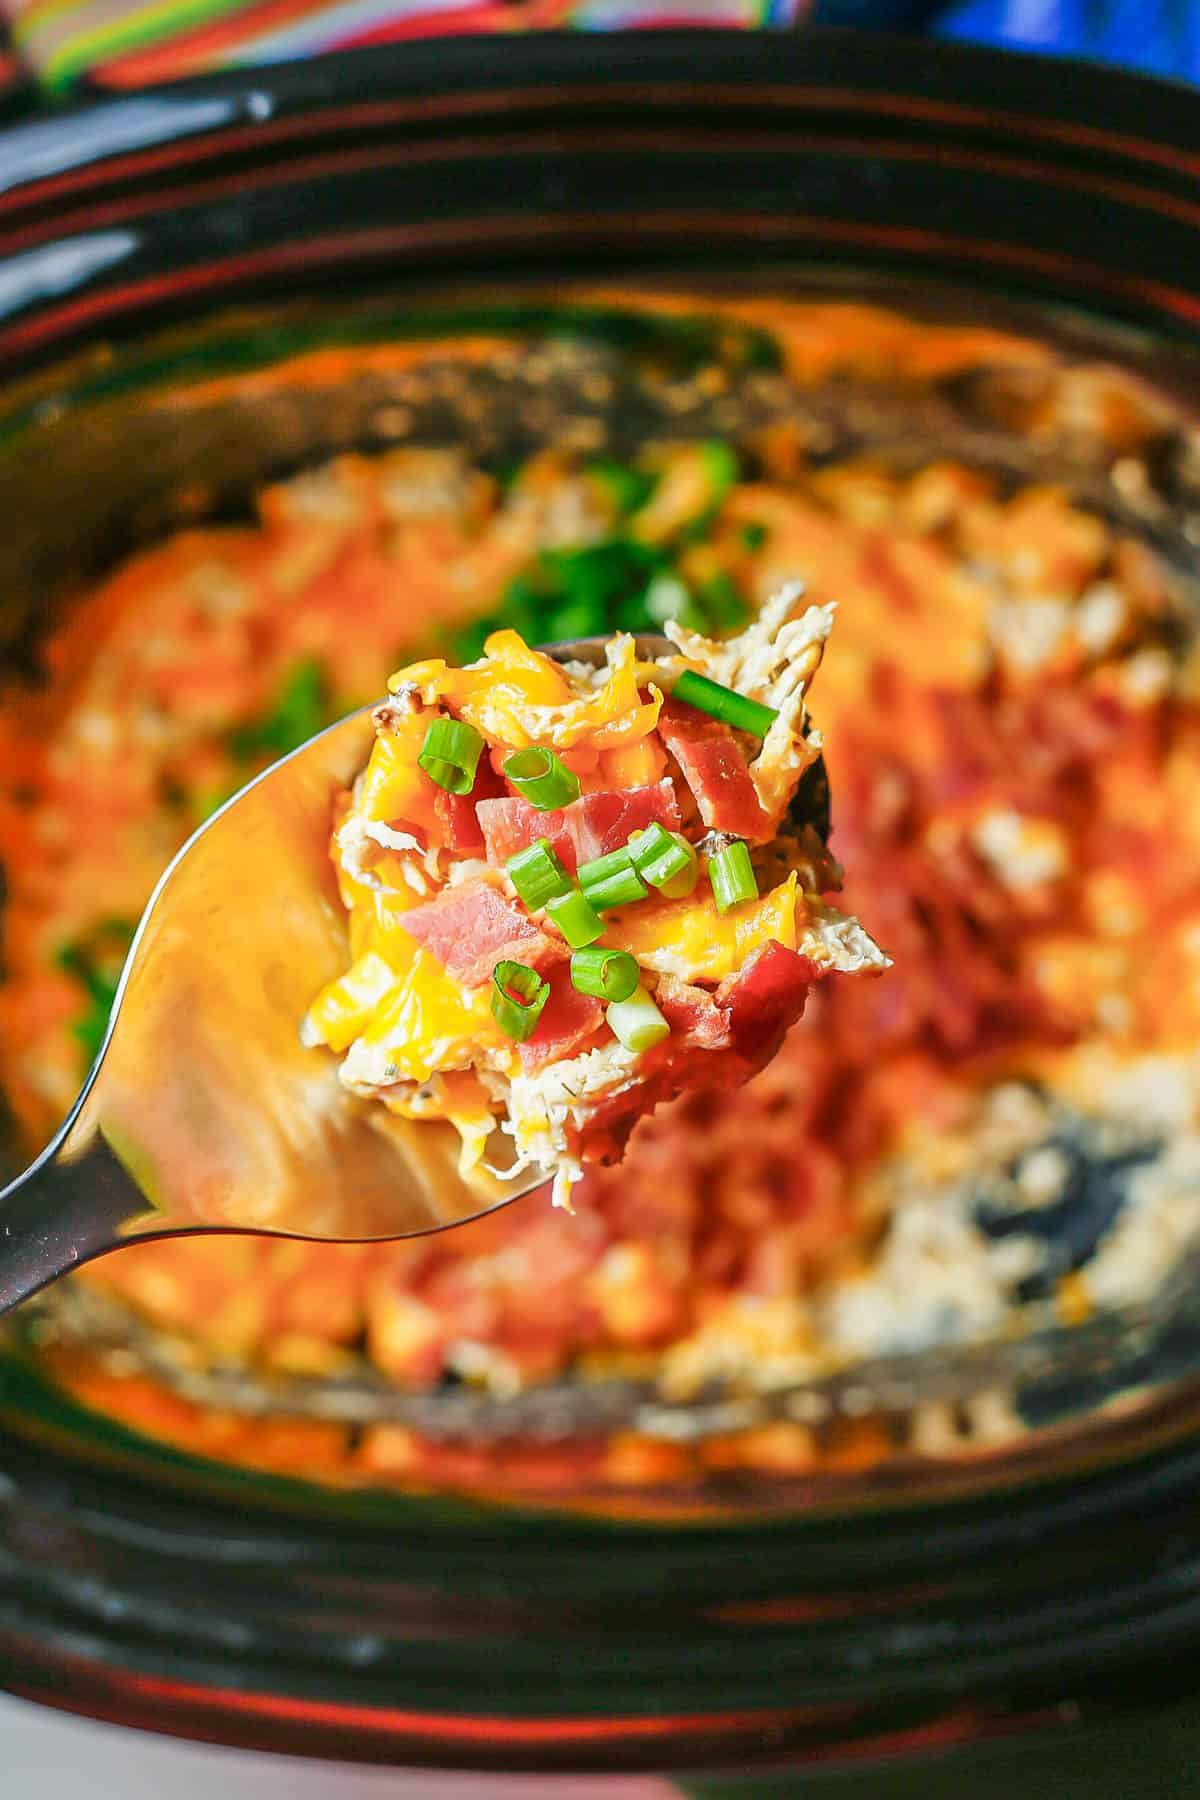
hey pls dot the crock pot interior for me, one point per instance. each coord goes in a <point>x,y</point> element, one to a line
<point>114,451</point>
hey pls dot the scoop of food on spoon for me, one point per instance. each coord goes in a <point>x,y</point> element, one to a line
<point>616,895</point>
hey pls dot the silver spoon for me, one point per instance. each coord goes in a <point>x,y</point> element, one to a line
<point>203,1111</point>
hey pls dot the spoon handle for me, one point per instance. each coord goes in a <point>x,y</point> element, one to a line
<point>60,1213</point>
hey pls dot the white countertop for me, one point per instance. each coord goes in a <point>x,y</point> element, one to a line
<point>46,1755</point>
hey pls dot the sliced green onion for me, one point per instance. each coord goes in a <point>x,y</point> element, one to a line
<point>611,880</point>
<point>542,779</point>
<point>450,755</point>
<point>723,703</point>
<point>664,859</point>
<point>607,974</point>
<point>646,842</point>
<point>518,996</point>
<point>732,876</point>
<point>576,918</point>
<point>637,1022</point>
<point>537,874</point>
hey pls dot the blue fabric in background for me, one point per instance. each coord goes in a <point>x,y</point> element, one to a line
<point>1161,37</point>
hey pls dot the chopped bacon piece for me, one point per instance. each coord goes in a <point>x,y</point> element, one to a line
<point>457,823</point>
<point>568,1018</point>
<point>511,824</point>
<point>716,771</point>
<point>765,998</point>
<point>696,1019</point>
<point>748,1012</point>
<point>718,1041</point>
<point>473,927</point>
<point>591,826</point>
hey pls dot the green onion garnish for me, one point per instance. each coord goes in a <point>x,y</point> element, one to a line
<point>96,965</point>
<point>664,859</point>
<point>720,464</point>
<point>628,488</point>
<point>611,880</point>
<point>723,703</point>
<point>518,996</point>
<point>450,755</point>
<point>669,597</point>
<point>720,606</point>
<point>301,708</point>
<point>637,1022</point>
<point>542,779</point>
<point>732,876</point>
<point>537,874</point>
<point>607,974</point>
<point>576,918</point>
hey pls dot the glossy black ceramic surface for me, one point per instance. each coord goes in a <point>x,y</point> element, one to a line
<point>150,1587</point>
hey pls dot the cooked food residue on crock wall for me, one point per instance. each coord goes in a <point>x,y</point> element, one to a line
<point>1011,718</point>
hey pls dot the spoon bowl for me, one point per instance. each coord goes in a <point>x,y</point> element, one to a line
<point>203,1110</point>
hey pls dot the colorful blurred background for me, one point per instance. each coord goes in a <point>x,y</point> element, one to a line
<point>61,48</point>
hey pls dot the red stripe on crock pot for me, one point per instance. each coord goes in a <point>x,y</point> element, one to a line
<point>432,107</point>
<point>461,149</point>
<point>689,227</point>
